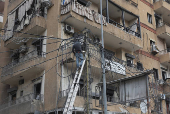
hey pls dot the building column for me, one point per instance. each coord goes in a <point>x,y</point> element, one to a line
<point>164,109</point>
<point>123,18</point>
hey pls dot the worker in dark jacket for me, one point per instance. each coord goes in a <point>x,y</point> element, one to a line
<point>78,53</point>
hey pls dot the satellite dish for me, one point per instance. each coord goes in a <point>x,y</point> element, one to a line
<point>143,107</point>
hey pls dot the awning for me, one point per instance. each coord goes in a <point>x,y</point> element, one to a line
<point>145,73</point>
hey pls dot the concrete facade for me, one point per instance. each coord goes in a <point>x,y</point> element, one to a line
<point>35,82</point>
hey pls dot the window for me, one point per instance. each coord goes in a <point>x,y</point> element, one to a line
<point>154,48</point>
<point>158,20</point>
<point>149,18</point>
<point>164,75</point>
<point>110,94</point>
<point>152,42</point>
<point>81,85</point>
<point>82,2</point>
<point>15,56</point>
<point>21,93</point>
<point>38,44</point>
<point>13,95</point>
<point>21,81</point>
<point>37,91</point>
<point>129,61</point>
<point>155,74</point>
<point>139,66</point>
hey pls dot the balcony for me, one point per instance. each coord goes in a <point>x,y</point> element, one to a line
<point>163,32</point>
<point>36,27</point>
<point>115,35</point>
<point>130,5</point>
<point>165,57</point>
<point>162,7</point>
<point>21,104</point>
<point>26,66</point>
<point>23,23</point>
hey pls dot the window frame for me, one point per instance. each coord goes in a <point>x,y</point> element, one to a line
<point>149,17</point>
<point>157,74</point>
<point>128,58</point>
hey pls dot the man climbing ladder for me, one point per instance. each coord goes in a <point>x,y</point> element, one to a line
<point>77,50</point>
<point>73,91</point>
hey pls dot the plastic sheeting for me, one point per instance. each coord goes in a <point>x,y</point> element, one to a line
<point>10,26</point>
<point>133,89</point>
<point>21,12</point>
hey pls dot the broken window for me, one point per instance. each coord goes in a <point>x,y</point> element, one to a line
<point>15,56</point>
<point>109,93</point>
<point>37,91</point>
<point>82,2</point>
<point>81,90</point>
<point>21,81</point>
<point>21,93</point>
<point>158,20</point>
<point>155,74</point>
<point>38,43</point>
<point>139,66</point>
<point>129,59</point>
<point>164,75</point>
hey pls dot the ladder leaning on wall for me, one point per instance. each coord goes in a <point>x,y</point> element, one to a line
<point>73,90</point>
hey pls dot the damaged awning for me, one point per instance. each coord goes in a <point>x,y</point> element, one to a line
<point>145,73</point>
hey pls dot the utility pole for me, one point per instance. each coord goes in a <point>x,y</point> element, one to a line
<point>103,63</point>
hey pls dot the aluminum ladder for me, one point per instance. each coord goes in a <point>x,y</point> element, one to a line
<point>73,91</point>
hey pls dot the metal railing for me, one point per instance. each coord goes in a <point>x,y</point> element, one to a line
<point>165,51</point>
<point>27,57</point>
<point>127,29</point>
<point>162,24</point>
<point>64,93</point>
<point>20,100</point>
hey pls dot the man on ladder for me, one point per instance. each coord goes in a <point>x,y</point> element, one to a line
<point>77,50</point>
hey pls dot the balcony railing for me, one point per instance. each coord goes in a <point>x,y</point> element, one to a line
<point>26,58</point>
<point>17,22</point>
<point>162,24</point>
<point>23,99</point>
<point>127,29</point>
<point>64,93</point>
<point>165,51</point>
<point>70,7</point>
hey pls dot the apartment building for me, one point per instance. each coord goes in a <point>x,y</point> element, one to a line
<point>1,13</point>
<point>38,66</point>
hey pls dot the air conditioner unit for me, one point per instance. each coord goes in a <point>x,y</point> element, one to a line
<point>46,3</point>
<point>23,49</point>
<point>154,49</point>
<point>69,29</point>
<point>161,81</point>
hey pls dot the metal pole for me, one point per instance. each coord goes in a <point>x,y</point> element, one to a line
<point>103,63</point>
<point>107,11</point>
